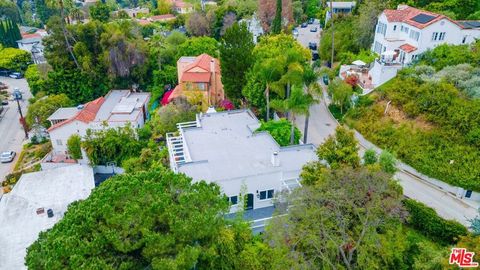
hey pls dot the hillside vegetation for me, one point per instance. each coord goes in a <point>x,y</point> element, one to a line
<point>433,121</point>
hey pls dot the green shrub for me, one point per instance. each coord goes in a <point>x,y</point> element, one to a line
<point>280,131</point>
<point>14,59</point>
<point>426,220</point>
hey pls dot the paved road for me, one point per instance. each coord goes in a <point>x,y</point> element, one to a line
<point>11,132</point>
<point>322,124</point>
<point>305,36</point>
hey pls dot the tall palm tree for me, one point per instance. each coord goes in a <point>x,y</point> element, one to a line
<point>299,102</point>
<point>310,79</point>
<point>268,71</point>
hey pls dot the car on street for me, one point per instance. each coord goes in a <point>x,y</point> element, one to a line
<point>295,32</point>
<point>313,29</point>
<point>17,94</point>
<point>315,56</point>
<point>3,86</point>
<point>311,20</point>
<point>312,46</point>
<point>16,75</point>
<point>4,72</point>
<point>4,102</point>
<point>303,25</point>
<point>8,156</point>
<point>325,79</point>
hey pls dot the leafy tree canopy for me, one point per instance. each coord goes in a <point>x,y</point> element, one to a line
<point>340,221</point>
<point>280,131</point>
<point>42,108</point>
<point>132,221</point>
<point>198,45</point>
<point>340,149</point>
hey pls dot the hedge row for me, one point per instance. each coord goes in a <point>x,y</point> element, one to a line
<point>427,221</point>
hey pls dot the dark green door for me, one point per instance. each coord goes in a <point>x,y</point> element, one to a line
<point>249,201</point>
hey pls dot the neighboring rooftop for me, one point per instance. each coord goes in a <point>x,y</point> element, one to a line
<point>63,113</point>
<point>224,146</point>
<point>343,5</point>
<point>420,18</point>
<point>23,211</point>
<point>117,106</point>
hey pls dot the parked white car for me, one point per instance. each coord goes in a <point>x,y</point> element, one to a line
<point>6,157</point>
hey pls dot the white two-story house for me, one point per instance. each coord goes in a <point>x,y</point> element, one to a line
<point>401,35</point>
<point>223,147</point>
<point>118,108</point>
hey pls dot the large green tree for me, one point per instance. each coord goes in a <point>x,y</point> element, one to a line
<point>340,149</point>
<point>150,220</point>
<point>198,45</point>
<point>236,58</point>
<point>100,11</point>
<point>111,145</point>
<point>41,109</point>
<point>340,221</point>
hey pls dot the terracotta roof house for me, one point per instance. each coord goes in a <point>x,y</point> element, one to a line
<point>180,7</point>
<point>403,34</point>
<point>162,18</point>
<point>199,78</point>
<point>118,108</point>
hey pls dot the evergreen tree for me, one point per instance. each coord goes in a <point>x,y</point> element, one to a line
<point>277,21</point>
<point>236,58</point>
<point>3,34</point>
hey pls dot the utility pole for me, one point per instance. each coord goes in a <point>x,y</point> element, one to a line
<point>22,120</point>
<point>333,37</point>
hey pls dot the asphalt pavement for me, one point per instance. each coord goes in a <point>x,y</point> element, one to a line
<point>12,135</point>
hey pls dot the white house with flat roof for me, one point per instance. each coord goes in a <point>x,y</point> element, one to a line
<point>37,202</point>
<point>118,108</point>
<point>223,147</point>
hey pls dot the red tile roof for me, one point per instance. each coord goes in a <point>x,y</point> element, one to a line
<point>181,4</point>
<point>34,35</point>
<point>163,17</point>
<point>203,61</point>
<point>196,77</point>
<point>86,115</point>
<point>407,13</point>
<point>408,48</point>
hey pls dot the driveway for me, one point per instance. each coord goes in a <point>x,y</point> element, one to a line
<point>11,131</point>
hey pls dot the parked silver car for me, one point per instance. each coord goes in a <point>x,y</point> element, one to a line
<point>6,157</point>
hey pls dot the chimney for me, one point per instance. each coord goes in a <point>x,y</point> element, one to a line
<point>402,7</point>
<point>275,160</point>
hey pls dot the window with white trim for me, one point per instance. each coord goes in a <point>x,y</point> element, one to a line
<point>414,35</point>
<point>233,200</point>
<point>59,142</point>
<point>464,39</point>
<point>434,36</point>
<point>378,47</point>
<point>404,29</point>
<point>381,28</point>
<point>266,194</point>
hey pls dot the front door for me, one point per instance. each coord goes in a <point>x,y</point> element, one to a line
<point>249,204</point>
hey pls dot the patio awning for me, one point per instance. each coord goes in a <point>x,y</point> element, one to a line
<point>359,63</point>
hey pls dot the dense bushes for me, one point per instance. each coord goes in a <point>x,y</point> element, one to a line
<point>431,125</point>
<point>36,80</point>
<point>14,59</point>
<point>280,131</point>
<point>426,220</point>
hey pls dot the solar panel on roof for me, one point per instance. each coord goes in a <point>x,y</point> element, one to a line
<point>471,24</point>
<point>423,18</point>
